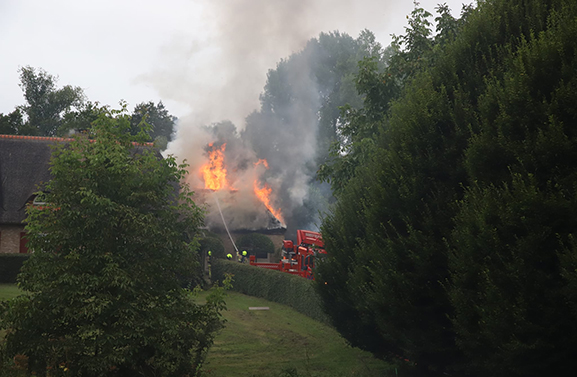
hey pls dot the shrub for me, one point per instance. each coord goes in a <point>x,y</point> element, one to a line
<point>104,296</point>
<point>283,288</point>
<point>255,244</point>
<point>214,244</point>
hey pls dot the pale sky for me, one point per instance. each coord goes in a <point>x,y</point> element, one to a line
<point>203,58</point>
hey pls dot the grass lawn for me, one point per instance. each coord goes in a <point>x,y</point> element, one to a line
<point>282,342</point>
<point>278,342</point>
<point>8,291</point>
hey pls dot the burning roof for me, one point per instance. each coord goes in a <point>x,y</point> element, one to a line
<point>244,202</point>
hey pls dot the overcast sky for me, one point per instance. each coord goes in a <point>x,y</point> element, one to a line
<point>203,58</point>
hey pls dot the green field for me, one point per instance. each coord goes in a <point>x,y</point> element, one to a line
<point>278,342</point>
<point>282,342</point>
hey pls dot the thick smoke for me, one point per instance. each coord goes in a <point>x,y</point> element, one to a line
<point>221,78</point>
<point>219,74</point>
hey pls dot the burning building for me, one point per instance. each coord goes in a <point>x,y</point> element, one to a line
<point>236,199</point>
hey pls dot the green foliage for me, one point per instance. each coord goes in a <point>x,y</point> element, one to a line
<point>160,121</point>
<point>45,104</point>
<point>13,124</point>
<point>287,289</point>
<point>513,257</point>
<point>255,243</point>
<point>299,117</point>
<point>380,83</point>
<point>111,252</point>
<point>80,119</point>
<point>454,239</point>
<point>212,243</point>
<point>10,265</point>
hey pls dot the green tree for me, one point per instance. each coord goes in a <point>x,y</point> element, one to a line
<point>45,104</point>
<point>161,122</point>
<point>113,245</point>
<point>299,118</point>
<point>12,124</point>
<point>255,243</point>
<point>389,267</point>
<point>80,119</point>
<point>512,262</point>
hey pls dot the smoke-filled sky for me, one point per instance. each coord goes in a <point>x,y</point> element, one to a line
<point>205,58</point>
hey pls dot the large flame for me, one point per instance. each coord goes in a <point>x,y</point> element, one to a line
<point>214,175</point>
<point>264,196</point>
<point>214,172</point>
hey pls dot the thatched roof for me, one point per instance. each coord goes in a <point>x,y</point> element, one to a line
<point>24,169</point>
<point>24,163</point>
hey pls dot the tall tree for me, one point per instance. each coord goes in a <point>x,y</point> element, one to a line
<point>299,119</point>
<point>114,244</point>
<point>45,104</point>
<point>157,116</point>
<point>388,265</point>
<point>12,124</point>
<point>513,258</point>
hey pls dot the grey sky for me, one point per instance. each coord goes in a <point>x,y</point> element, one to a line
<point>205,59</point>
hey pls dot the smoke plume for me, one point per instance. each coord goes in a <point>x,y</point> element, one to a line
<point>220,77</point>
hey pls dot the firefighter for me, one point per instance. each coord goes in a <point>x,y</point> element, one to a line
<point>243,256</point>
<point>209,261</point>
<point>229,256</point>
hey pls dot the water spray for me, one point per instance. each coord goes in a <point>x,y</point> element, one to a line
<point>224,222</point>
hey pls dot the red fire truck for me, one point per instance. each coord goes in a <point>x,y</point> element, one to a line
<point>299,258</point>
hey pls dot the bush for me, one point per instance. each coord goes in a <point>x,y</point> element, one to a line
<point>104,296</point>
<point>283,288</point>
<point>255,244</point>
<point>10,265</point>
<point>213,244</point>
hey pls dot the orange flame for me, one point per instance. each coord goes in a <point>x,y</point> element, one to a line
<point>262,161</point>
<point>214,172</point>
<point>264,195</point>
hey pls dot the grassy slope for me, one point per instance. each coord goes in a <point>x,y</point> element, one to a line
<point>273,342</point>
<point>279,342</point>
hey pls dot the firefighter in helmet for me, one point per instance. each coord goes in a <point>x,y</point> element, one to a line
<point>229,256</point>
<point>244,254</point>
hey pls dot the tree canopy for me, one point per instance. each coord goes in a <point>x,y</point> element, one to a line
<point>45,104</point>
<point>113,246</point>
<point>299,119</point>
<point>451,242</point>
<point>53,111</point>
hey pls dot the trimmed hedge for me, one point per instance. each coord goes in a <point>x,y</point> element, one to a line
<point>10,265</point>
<point>280,287</point>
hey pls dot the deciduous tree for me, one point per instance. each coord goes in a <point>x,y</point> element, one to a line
<point>45,104</point>
<point>113,246</point>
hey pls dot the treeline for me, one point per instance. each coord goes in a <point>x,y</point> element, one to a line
<point>451,242</point>
<point>53,111</point>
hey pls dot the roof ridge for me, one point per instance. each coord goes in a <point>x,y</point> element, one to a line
<point>26,137</point>
<point>52,138</point>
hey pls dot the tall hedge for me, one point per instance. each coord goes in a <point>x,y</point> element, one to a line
<point>283,288</point>
<point>10,265</point>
